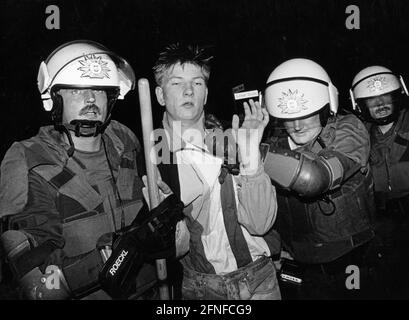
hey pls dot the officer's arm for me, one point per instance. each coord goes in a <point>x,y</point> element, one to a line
<point>307,174</point>
<point>13,181</point>
<point>41,278</point>
<point>38,248</point>
<point>310,175</point>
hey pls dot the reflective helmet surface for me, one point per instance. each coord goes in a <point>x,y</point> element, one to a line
<point>374,81</point>
<point>84,64</point>
<point>298,88</point>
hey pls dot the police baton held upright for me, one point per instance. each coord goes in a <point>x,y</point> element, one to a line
<point>150,162</point>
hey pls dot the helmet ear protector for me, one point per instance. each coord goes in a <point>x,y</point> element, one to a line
<point>57,109</point>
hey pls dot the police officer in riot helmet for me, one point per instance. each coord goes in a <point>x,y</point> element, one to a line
<point>72,195</point>
<point>324,194</point>
<point>380,98</point>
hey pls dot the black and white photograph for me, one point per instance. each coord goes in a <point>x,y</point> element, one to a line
<point>183,150</point>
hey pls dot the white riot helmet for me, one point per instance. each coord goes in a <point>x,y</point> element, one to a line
<point>298,88</point>
<point>84,64</point>
<point>375,81</point>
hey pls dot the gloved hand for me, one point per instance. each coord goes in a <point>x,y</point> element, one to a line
<point>182,235</point>
<point>152,237</point>
<point>155,234</point>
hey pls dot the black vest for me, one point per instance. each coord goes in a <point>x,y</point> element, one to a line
<point>311,234</point>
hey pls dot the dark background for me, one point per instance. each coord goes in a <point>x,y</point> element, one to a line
<point>250,38</point>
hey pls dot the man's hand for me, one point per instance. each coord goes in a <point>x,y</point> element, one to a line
<point>164,190</point>
<point>249,135</point>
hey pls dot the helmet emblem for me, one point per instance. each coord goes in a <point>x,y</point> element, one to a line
<point>378,83</point>
<point>292,102</point>
<point>94,67</point>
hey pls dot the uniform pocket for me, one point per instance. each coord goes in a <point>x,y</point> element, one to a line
<point>81,235</point>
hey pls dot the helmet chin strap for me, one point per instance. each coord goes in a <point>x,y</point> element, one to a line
<point>82,128</point>
<point>388,119</point>
<point>385,120</point>
<point>85,128</point>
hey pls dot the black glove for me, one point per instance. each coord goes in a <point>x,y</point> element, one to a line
<point>152,237</point>
<point>155,234</point>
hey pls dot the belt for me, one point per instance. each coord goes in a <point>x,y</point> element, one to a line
<point>323,252</point>
<point>237,274</point>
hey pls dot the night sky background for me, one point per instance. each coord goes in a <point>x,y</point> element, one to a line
<point>250,38</point>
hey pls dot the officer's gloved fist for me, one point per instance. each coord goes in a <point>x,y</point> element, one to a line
<point>155,234</point>
<point>152,237</point>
